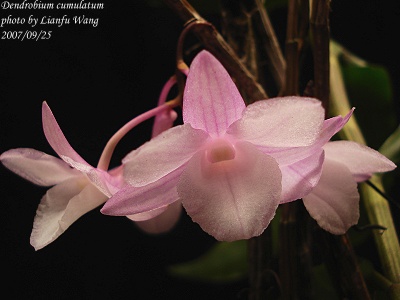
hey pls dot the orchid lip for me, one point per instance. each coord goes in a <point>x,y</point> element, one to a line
<point>220,150</point>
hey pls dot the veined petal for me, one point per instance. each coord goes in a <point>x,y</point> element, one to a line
<point>134,200</point>
<point>334,202</point>
<point>211,100</point>
<point>300,178</point>
<point>61,206</point>
<point>280,122</point>
<point>59,143</point>
<point>362,161</point>
<point>37,167</point>
<point>162,154</point>
<point>232,199</point>
<point>162,222</point>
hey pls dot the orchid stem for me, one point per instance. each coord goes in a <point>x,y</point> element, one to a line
<point>215,44</point>
<point>377,207</point>
<point>105,157</point>
<point>319,25</point>
<point>259,256</point>
<point>341,259</point>
<point>294,254</point>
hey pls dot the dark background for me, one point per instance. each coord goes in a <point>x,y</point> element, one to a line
<point>95,80</point>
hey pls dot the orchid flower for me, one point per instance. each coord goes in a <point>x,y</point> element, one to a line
<point>228,164</point>
<point>72,194</point>
<point>334,201</point>
<point>77,186</point>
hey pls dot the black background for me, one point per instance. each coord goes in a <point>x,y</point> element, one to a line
<point>95,80</point>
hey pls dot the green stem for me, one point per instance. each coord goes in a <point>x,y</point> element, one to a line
<point>377,207</point>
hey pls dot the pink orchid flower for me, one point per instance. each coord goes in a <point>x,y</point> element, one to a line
<point>78,187</point>
<point>72,194</point>
<point>334,202</point>
<point>228,164</point>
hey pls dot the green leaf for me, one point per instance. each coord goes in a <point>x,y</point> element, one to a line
<point>224,262</point>
<point>370,90</point>
<point>391,147</point>
<point>322,283</point>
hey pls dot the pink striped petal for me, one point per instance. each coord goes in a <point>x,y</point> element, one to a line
<point>211,100</point>
<point>280,122</point>
<point>162,154</point>
<point>300,178</point>
<point>231,199</point>
<point>60,207</point>
<point>59,143</point>
<point>362,161</point>
<point>334,202</point>
<point>134,200</point>
<point>37,167</point>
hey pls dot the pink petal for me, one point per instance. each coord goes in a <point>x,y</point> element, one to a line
<point>166,118</point>
<point>162,154</point>
<point>334,202</point>
<point>59,143</point>
<point>37,167</point>
<point>147,215</point>
<point>134,200</point>
<point>231,199</point>
<point>290,155</point>
<point>211,100</point>
<point>106,183</point>
<point>280,122</point>
<point>300,178</point>
<point>361,160</point>
<point>101,179</point>
<point>334,125</point>
<point>163,121</point>
<point>61,206</point>
<point>163,222</point>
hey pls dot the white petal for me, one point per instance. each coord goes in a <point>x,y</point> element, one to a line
<point>37,167</point>
<point>61,206</point>
<point>361,160</point>
<point>280,122</point>
<point>290,155</point>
